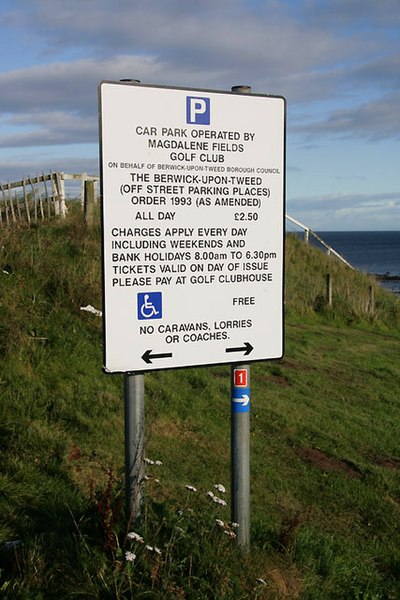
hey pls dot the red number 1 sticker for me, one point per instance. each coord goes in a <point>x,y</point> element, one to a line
<point>240,377</point>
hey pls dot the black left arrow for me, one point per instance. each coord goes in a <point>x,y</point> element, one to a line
<point>148,356</point>
<point>247,348</point>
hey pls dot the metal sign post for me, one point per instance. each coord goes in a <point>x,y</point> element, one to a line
<point>240,437</point>
<point>240,452</point>
<point>134,443</point>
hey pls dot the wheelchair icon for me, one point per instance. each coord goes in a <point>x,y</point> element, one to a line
<point>149,305</point>
<point>148,310</point>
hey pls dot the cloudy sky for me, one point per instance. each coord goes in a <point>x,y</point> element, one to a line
<point>337,62</point>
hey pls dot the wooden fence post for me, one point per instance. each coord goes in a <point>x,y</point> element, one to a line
<point>371,300</point>
<point>83,181</point>
<point>35,207</point>
<point>27,207</point>
<point>17,204</point>
<point>48,202</point>
<point>5,203</point>
<point>89,202</point>
<point>11,203</point>
<point>54,196</point>
<point>39,193</point>
<point>61,194</point>
<point>329,289</point>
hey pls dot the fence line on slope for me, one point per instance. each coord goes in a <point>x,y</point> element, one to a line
<point>309,232</point>
<point>33,199</point>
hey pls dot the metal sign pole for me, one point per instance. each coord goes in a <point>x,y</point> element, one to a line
<point>134,443</point>
<point>240,437</point>
<point>240,452</point>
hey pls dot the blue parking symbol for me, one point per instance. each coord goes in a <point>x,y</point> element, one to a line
<point>149,305</point>
<point>197,110</point>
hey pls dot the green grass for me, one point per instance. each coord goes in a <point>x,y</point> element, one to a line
<point>325,466</point>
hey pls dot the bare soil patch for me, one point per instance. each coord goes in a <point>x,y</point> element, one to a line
<point>275,379</point>
<point>388,462</point>
<point>327,463</point>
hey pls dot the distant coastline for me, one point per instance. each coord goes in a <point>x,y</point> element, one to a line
<point>386,277</point>
<point>374,252</point>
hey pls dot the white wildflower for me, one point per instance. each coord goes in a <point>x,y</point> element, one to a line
<point>234,525</point>
<point>157,463</point>
<point>210,494</point>
<point>154,549</point>
<point>191,488</point>
<point>151,478</point>
<point>220,523</point>
<point>230,534</point>
<point>130,556</point>
<point>135,537</point>
<point>220,488</point>
<point>219,501</point>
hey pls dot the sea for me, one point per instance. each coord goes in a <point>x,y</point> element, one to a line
<point>374,252</point>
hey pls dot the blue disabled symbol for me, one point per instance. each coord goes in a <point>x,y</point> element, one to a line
<point>149,305</point>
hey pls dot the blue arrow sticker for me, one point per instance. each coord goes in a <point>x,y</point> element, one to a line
<point>240,401</point>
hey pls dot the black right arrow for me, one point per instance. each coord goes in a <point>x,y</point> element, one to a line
<point>247,348</point>
<point>148,356</point>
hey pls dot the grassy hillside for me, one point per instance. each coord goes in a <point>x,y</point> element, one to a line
<point>325,480</point>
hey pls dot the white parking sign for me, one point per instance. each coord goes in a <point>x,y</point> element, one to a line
<point>193,189</point>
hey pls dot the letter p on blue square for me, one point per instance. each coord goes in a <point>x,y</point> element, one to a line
<point>149,305</point>
<point>197,110</point>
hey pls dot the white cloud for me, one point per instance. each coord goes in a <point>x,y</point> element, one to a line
<point>347,211</point>
<point>24,165</point>
<point>375,120</point>
<point>335,61</point>
<point>206,43</point>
